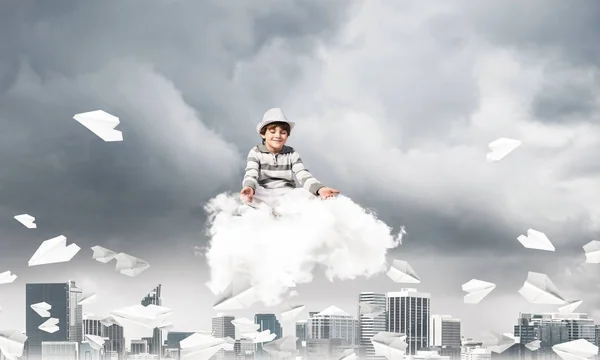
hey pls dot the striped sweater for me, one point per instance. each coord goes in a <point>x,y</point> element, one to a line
<point>273,171</point>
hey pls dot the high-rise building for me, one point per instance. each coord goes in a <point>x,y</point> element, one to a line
<point>267,322</point>
<point>63,298</point>
<point>330,332</point>
<point>444,335</point>
<point>174,341</point>
<point>153,298</point>
<point>223,327</point>
<point>408,313</point>
<point>115,346</point>
<point>369,325</point>
<point>302,336</point>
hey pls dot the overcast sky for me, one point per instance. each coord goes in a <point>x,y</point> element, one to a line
<point>395,103</point>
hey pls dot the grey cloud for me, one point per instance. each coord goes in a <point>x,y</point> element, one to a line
<point>541,25</point>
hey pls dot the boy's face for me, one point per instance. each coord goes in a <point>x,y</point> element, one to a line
<point>275,137</point>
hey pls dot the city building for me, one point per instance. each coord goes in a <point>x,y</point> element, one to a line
<point>302,336</point>
<point>115,346</point>
<point>87,352</point>
<point>267,322</point>
<point>138,347</point>
<point>63,299</point>
<point>173,342</point>
<point>222,327</point>
<point>60,350</point>
<point>330,332</point>
<point>445,336</point>
<point>244,349</point>
<point>369,326</point>
<point>474,350</point>
<point>154,298</point>
<point>408,313</point>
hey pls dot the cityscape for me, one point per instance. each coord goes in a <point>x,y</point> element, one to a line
<point>58,329</point>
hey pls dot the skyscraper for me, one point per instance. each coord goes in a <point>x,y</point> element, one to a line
<point>408,313</point>
<point>63,298</point>
<point>444,335</point>
<point>302,335</point>
<point>112,333</point>
<point>267,322</point>
<point>153,298</point>
<point>223,327</point>
<point>369,326</point>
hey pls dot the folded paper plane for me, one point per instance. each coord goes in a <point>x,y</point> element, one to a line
<point>27,220</point>
<point>130,265</point>
<point>401,272</point>
<point>42,309</point>
<point>49,326</point>
<point>539,289</point>
<point>477,290</point>
<point>592,252</point>
<point>536,240</point>
<point>102,124</point>
<point>102,255</point>
<point>580,349</point>
<point>7,277</point>
<point>500,148</point>
<point>54,250</point>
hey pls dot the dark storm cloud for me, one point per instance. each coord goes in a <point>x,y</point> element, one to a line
<point>69,57</point>
<point>541,25</point>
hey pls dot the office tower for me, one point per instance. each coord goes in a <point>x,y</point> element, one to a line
<point>63,298</point>
<point>330,332</point>
<point>139,347</point>
<point>223,327</point>
<point>115,346</point>
<point>408,313</point>
<point>302,336</point>
<point>370,326</point>
<point>92,325</point>
<point>444,335</point>
<point>153,298</point>
<point>244,349</point>
<point>60,350</point>
<point>174,339</point>
<point>267,322</point>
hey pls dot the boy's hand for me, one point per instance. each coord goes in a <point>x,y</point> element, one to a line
<point>326,192</point>
<point>247,194</point>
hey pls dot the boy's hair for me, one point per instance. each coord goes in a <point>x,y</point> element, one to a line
<point>285,126</point>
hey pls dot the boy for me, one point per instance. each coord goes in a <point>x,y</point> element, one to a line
<point>272,165</point>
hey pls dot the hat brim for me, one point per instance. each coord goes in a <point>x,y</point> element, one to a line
<point>265,123</point>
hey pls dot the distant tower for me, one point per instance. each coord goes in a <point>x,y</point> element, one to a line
<point>408,313</point>
<point>370,326</point>
<point>153,298</point>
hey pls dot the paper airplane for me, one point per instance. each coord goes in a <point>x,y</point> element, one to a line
<point>499,343</point>
<point>592,252</point>
<point>391,345</point>
<point>49,326</point>
<point>401,272</point>
<point>54,250</point>
<point>96,342</point>
<point>7,277</point>
<point>238,295</point>
<point>102,124</point>
<point>12,343</point>
<point>536,240</point>
<point>500,148</point>
<point>87,299</point>
<point>576,350</point>
<point>569,307</point>
<point>348,354</point>
<point>130,265</point>
<point>292,313</point>
<point>245,325</point>
<point>27,220</point>
<point>539,289</point>
<point>369,310</point>
<point>477,290</point>
<point>260,337</point>
<point>42,308</point>
<point>282,348</point>
<point>203,346</point>
<point>533,345</point>
<point>151,316</point>
<point>102,255</point>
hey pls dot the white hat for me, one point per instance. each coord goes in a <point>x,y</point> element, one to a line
<point>271,116</point>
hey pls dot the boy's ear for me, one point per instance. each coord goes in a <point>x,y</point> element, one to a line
<point>263,136</point>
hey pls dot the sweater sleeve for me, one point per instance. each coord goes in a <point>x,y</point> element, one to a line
<point>306,179</point>
<point>252,169</point>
